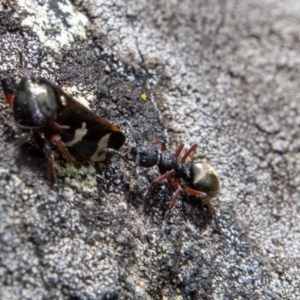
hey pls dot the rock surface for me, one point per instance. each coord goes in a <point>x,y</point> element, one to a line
<point>223,74</point>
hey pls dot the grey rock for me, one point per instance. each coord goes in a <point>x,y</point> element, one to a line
<point>223,74</point>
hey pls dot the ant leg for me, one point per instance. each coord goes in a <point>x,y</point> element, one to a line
<point>193,149</point>
<point>162,143</point>
<point>178,151</point>
<point>56,140</point>
<point>210,207</point>
<point>24,138</point>
<point>173,203</point>
<point>160,179</point>
<point>174,199</point>
<point>43,144</point>
<point>8,91</point>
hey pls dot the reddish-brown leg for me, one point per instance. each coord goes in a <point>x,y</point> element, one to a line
<point>56,140</point>
<point>173,202</point>
<point>161,178</point>
<point>176,185</point>
<point>193,149</point>
<point>162,143</point>
<point>8,91</point>
<point>209,204</point>
<point>174,198</point>
<point>178,151</point>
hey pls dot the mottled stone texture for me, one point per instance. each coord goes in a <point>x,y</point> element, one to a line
<point>223,74</point>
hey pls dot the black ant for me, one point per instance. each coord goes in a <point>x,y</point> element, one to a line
<point>198,179</point>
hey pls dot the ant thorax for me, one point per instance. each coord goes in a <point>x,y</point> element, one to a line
<point>167,162</point>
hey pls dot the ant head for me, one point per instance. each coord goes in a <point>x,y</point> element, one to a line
<point>144,154</point>
<point>205,179</point>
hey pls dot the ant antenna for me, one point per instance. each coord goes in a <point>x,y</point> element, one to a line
<point>121,155</point>
<point>23,71</point>
<point>131,130</point>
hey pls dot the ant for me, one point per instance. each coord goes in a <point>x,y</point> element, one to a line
<point>53,118</point>
<point>198,179</point>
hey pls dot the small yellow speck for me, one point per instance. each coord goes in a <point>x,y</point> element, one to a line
<point>144,96</point>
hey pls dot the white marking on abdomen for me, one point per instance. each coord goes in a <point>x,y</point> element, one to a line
<point>79,134</point>
<point>102,145</point>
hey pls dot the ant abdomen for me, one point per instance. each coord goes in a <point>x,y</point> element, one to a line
<point>205,179</point>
